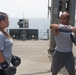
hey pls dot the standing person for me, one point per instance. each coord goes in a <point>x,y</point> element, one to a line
<point>6,43</point>
<point>63,55</point>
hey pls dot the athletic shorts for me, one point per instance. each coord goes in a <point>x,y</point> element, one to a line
<point>61,59</point>
<point>2,72</point>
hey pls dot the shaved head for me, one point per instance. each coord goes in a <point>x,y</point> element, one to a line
<point>66,14</point>
<point>65,18</point>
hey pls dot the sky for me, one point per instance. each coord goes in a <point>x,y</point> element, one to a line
<point>25,8</point>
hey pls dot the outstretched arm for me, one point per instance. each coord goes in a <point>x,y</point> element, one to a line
<point>63,28</point>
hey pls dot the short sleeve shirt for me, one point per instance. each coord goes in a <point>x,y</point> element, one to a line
<point>6,47</point>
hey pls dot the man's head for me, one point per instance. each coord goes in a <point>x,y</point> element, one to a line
<point>64,18</point>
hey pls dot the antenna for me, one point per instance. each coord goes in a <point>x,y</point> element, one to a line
<point>23,21</point>
<point>23,33</point>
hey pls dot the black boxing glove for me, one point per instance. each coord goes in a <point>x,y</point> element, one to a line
<point>4,64</point>
<point>16,61</point>
<point>9,70</point>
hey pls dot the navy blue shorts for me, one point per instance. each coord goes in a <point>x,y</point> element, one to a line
<point>61,59</point>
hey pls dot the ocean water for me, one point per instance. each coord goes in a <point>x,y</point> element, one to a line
<point>42,24</point>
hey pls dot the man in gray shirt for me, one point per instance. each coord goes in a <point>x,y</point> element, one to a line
<point>63,55</point>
